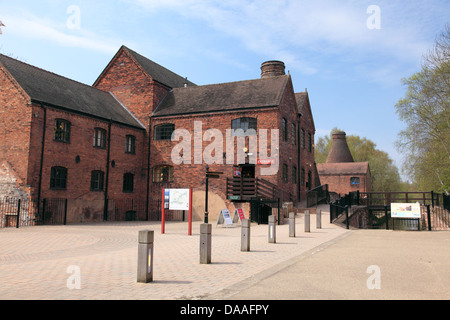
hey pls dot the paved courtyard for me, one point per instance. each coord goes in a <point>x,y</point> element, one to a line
<point>41,262</point>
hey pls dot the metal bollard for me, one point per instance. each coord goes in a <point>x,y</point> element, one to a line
<point>245,235</point>
<point>205,243</point>
<point>292,225</point>
<point>319,219</point>
<point>145,256</point>
<point>307,221</point>
<point>272,230</point>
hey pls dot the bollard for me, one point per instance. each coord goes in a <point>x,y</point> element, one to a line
<point>205,243</point>
<point>307,221</point>
<point>319,219</point>
<point>245,235</point>
<point>292,225</point>
<point>272,230</point>
<point>145,257</point>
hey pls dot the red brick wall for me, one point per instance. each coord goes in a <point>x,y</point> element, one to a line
<point>15,125</point>
<point>306,156</point>
<point>340,184</point>
<point>91,158</point>
<point>132,86</point>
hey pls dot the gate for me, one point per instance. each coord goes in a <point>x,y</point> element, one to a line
<point>54,212</point>
<point>262,209</point>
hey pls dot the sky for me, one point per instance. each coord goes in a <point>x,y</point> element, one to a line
<point>349,55</point>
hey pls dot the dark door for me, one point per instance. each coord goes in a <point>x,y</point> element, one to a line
<point>248,170</point>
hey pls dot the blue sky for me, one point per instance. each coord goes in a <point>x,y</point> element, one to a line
<point>350,55</point>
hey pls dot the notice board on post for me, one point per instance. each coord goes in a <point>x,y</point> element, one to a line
<point>405,210</point>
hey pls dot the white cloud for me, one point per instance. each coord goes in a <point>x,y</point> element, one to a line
<point>298,31</point>
<point>35,28</point>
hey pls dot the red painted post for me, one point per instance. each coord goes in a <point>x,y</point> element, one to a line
<point>163,213</point>
<point>190,212</point>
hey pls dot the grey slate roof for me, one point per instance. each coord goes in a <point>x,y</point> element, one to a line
<point>158,72</point>
<point>49,88</point>
<point>230,96</point>
<point>361,168</point>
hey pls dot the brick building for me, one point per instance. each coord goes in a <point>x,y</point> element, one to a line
<point>96,145</point>
<point>341,173</point>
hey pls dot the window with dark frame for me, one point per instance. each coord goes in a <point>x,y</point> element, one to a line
<point>128,182</point>
<point>355,181</point>
<point>163,174</point>
<point>309,142</point>
<point>285,173</point>
<point>294,175</point>
<point>302,139</point>
<point>164,131</point>
<point>293,133</point>
<point>62,130</point>
<point>97,178</point>
<point>58,178</point>
<point>130,146</point>
<point>284,129</point>
<point>100,138</point>
<point>302,177</point>
<point>245,123</point>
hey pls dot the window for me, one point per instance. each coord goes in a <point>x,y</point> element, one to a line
<point>130,146</point>
<point>58,178</point>
<point>245,124</point>
<point>355,181</point>
<point>294,175</point>
<point>284,130</point>
<point>163,174</point>
<point>309,142</point>
<point>302,139</point>
<point>285,173</point>
<point>97,180</point>
<point>164,131</point>
<point>293,133</point>
<point>100,138</point>
<point>302,177</point>
<point>128,182</point>
<point>62,130</point>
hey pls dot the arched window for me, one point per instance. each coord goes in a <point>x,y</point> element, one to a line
<point>97,178</point>
<point>62,130</point>
<point>163,174</point>
<point>245,123</point>
<point>130,145</point>
<point>164,131</point>
<point>100,138</point>
<point>58,178</point>
<point>128,182</point>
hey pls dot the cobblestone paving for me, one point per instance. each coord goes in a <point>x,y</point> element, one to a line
<point>34,261</point>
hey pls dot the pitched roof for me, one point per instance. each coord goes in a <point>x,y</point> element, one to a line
<point>158,72</point>
<point>304,106</point>
<point>49,88</point>
<point>249,94</point>
<point>361,168</point>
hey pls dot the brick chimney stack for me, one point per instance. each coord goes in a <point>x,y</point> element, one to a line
<point>272,69</point>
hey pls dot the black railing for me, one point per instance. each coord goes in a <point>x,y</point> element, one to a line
<point>319,195</point>
<point>15,212</point>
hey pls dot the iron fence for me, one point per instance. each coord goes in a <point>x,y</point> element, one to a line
<point>15,212</point>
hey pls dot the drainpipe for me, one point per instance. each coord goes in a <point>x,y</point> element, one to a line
<point>105,207</point>
<point>298,159</point>
<point>41,165</point>
<point>148,168</point>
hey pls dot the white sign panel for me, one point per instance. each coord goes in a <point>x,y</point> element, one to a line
<point>178,199</point>
<point>405,210</point>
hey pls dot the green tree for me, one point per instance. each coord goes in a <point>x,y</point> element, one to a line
<point>385,175</point>
<point>426,111</point>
